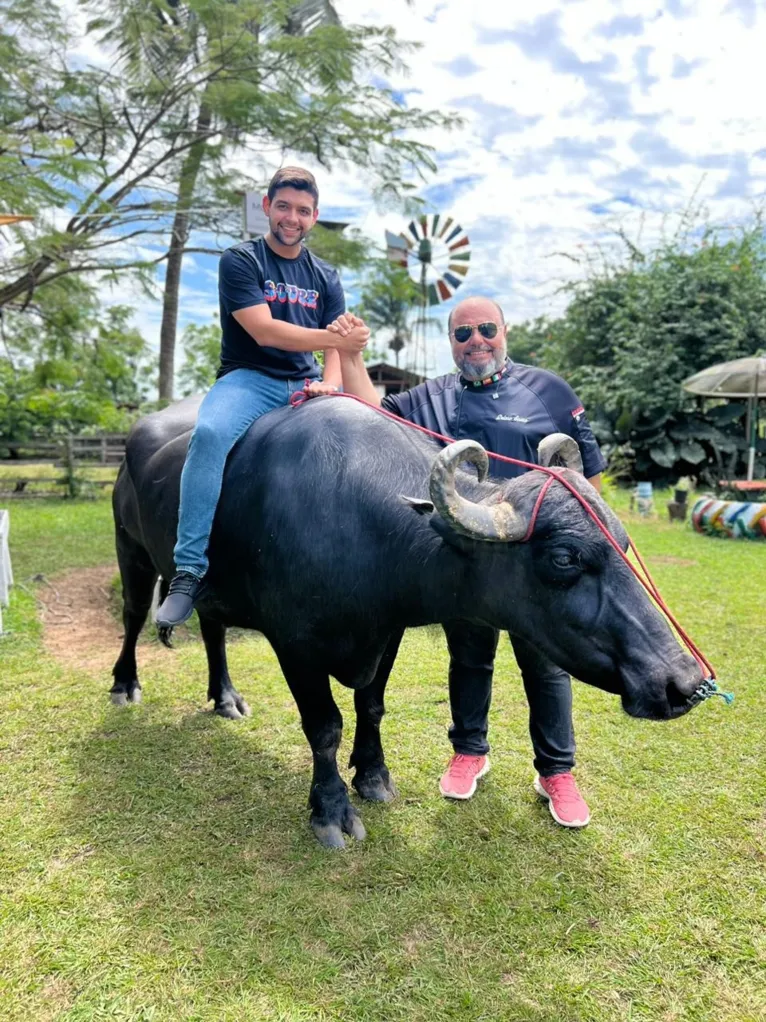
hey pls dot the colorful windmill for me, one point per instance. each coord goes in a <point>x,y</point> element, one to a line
<point>436,252</point>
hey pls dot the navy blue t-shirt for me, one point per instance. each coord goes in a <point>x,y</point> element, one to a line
<point>305,292</point>
<point>509,417</point>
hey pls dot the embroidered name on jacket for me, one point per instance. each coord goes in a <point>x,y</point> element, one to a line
<point>290,293</point>
<point>510,418</point>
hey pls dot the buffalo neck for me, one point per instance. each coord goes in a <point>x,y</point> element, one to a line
<point>438,581</point>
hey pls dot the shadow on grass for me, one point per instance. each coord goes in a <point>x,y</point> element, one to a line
<point>188,811</point>
<point>199,872</point>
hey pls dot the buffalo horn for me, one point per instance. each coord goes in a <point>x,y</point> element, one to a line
<point>498,523</point>
<point>559,448</point>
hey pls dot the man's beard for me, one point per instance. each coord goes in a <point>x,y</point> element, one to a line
<point>288,243</point>
<point>474,371</point>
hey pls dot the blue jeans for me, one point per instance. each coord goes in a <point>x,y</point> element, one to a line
<point>549,694</point>
<point>228,410</point>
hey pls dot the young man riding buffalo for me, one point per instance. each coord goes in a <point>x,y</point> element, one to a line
<point>509,409</point>
<point>276,301</point>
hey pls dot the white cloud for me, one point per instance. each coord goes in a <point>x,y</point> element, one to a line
<point>606,118</point>
<point>611,106</point>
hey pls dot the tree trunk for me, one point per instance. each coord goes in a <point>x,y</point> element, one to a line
<point>180,234</point>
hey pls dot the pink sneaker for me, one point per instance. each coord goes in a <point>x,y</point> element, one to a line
<point>460,777</point>
<point>565,802</point>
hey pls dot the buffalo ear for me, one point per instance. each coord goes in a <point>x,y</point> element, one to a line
<point>464,545</point>
<point>423,507</point>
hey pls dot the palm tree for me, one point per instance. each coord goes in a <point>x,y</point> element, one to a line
<point>387,299</point>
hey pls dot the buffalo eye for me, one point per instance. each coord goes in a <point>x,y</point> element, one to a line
<point>557,565</point>
<point>565,559</point>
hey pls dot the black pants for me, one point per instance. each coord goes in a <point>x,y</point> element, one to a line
<point>549,694</point>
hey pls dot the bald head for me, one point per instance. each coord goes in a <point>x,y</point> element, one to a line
<point>495,315</point>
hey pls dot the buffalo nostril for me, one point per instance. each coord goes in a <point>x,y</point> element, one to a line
<point>676,698</point>
<point>684,678</point>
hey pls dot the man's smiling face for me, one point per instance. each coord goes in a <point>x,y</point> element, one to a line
<point>478,356</point>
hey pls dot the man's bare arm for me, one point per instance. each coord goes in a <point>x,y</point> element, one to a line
<point>273,333</point>
<point>332,371</point>
<point>356,379</point>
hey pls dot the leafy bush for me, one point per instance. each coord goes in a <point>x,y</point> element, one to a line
<point>202,357</point>
<point>635,330</point>
<point>68,365</point>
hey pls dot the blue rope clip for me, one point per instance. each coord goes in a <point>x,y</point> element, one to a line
<point>706,690</point>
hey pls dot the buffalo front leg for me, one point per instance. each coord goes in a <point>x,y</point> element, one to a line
<point>138,579</point>
<point>371,777</point>
<point>332,814</point>
<point>227,701</point>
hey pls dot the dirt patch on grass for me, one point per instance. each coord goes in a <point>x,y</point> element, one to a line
<point>57,996</point>
<point>80,626</point>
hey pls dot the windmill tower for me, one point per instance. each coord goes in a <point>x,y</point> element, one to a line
<point>436,251</point>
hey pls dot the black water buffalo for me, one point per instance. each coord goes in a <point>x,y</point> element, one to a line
<point>338,528</point>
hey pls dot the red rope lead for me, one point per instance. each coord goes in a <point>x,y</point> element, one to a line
<point>647,582</point>
<point>536,509</point>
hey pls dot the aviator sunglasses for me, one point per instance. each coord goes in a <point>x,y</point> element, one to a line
<point>464,333</point>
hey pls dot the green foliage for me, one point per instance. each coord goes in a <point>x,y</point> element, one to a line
<point>142,152</point>
<point>202,356</point>
<point>387,297</point>
<point>125,147</point>
<point>634,330</point>
<point>29,34</point>
<point>527,341</point>
<point>69,365</point>
<point>350,249</point>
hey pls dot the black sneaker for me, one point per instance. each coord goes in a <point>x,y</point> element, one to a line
<point>178,605</point>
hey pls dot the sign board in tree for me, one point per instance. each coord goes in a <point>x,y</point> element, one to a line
<point>256,221</point>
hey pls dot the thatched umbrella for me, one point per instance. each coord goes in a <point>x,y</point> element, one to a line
<point>742,377</point>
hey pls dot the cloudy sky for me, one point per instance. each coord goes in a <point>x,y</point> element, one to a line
<point>577,115</point>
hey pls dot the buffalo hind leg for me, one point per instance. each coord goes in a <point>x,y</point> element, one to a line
<point>227,701</point>
<point>332,814</point>
<point>371,777</point>
<point>138,581</point>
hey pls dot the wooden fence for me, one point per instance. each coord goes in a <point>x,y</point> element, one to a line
<point>73,455</point>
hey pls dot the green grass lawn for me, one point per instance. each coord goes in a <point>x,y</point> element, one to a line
<point>156,863</point>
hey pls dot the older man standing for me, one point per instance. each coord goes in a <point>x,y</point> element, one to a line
<point>508,408</point>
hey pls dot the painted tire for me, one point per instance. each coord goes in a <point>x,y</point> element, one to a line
<point>733,518</point>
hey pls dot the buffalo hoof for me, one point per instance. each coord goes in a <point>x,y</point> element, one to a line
<point>375,786</point>
<point>165,635</point>
<point>126,698</point>
<point>330,834</point>
<point>233,707</point>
